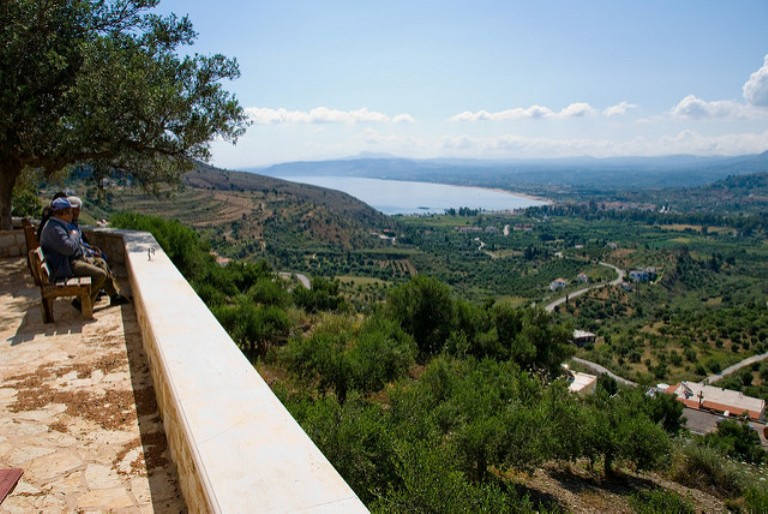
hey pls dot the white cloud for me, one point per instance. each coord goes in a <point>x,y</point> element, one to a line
<point>686,141</point>
<point>693,107</point>
<point>755,89</point>
<point>619,109</point>
<point>267,116</point>
<point>403,118</point>
<point>574,110</point>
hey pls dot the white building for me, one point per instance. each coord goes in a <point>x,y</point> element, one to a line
<point>581,383</point>
<point>723,401</point>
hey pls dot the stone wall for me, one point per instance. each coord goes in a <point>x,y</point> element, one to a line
<point>12,243</point>
<point>236,447</point>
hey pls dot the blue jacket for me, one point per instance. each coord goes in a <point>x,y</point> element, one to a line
<point>60,248</point>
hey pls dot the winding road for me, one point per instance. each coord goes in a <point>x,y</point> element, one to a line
<point>734,368</point>
<point>619,278</point>
<point>600,370</point>
<point>299,276</point>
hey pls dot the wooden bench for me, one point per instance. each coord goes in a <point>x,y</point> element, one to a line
<point>76,286</point>
<point>30,237</point>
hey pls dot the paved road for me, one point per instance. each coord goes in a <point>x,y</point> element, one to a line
<point>620,273</point>
<point>597,368</point>
<point>299,276</point>
<point>734,368</point>
<point>703,422</point>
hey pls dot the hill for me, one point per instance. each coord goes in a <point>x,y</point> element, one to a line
<point>543,176</point>
<point>245,214</point>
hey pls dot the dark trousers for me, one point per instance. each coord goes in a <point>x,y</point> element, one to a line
<point>98,270</point>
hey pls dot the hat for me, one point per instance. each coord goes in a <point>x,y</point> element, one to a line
<point>60,204</point>
<point>75,201</point>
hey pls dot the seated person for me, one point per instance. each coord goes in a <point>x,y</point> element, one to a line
<point>88,249</point>
<point>47,213</point>
<point>61,244</point>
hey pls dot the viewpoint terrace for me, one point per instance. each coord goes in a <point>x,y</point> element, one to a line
<point>86,407</point>
<point>77,408</point>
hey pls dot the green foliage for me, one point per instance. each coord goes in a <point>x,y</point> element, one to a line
<point>425,309</point>
<point>322,296</point>
<point>253,327</point>
<point>660,501</point>
<point>700,467</point>
<point>182,244</point>
<point>665,410</point>
<point>354,437</point>
<point>737,439</point>
<point>269,291</point>
<point>342,357</point>
<point>104,83</point>
<point>431,483</point>
<point>756,499</point>
<point>618,428</point>
<point>382,353</point>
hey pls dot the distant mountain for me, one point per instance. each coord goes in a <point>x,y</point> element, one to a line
<point>541,175</point>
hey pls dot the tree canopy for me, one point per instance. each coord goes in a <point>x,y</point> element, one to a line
<point>103,84</point>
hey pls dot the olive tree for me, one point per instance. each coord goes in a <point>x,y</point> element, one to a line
<point>102,83</point>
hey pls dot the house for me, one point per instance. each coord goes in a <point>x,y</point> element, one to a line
<point>527,227</point>
<point>582,337</point>
<point>643,275</point>
<point>612,245</point>
<point>722,401</point>
<point>582,277</point>
<point>557,284</point>
<point>581,383</point>
<point>468,229</point>
<point>490,229</point>
<point>626,286</point>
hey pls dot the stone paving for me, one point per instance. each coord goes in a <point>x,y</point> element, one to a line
<point>77,408</point>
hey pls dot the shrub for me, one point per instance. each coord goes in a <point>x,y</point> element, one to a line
<point>323,296</point>
<point>703,467</point>
<point>756,499</point>
<point>660,501</point>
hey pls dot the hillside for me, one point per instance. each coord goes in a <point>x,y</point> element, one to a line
<point>245,214</point>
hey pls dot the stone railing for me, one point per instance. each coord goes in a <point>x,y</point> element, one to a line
<point>236,447</point>
<point>12,242</point>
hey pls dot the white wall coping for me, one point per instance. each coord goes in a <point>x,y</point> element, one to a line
<point>249,452</point>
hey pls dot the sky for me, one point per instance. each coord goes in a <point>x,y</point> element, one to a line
<point>489,80</point>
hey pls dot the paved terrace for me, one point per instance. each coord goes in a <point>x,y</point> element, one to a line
<point>77,408</point>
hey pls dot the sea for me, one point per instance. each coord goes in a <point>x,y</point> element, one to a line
<point>405,197</point>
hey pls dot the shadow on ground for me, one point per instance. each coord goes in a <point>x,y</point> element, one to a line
<point>162,474</point>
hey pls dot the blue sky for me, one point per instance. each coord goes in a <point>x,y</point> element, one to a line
<point>490,79</point>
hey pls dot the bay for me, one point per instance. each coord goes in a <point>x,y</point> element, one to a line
<point>405,197</point>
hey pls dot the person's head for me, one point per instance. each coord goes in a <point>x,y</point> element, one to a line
<point>62,209</point>
<point>76,204</point>
<point>60,194</point>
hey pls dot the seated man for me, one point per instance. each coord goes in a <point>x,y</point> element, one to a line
<point>89,250</point>
<point>61,244</point>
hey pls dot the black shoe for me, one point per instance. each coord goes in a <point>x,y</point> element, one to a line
<point>118,299</point>
<point>76,305</point>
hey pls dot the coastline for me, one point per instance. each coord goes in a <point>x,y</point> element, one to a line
<point>319,179</point>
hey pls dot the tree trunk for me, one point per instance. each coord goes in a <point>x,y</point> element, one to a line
<point>9,171</point>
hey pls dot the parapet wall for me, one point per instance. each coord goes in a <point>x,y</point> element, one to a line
<point>236,447</point>
<point>12,243</point>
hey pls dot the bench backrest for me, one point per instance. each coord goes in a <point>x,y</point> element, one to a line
<point>40,270</point>
<point>30,237</point>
